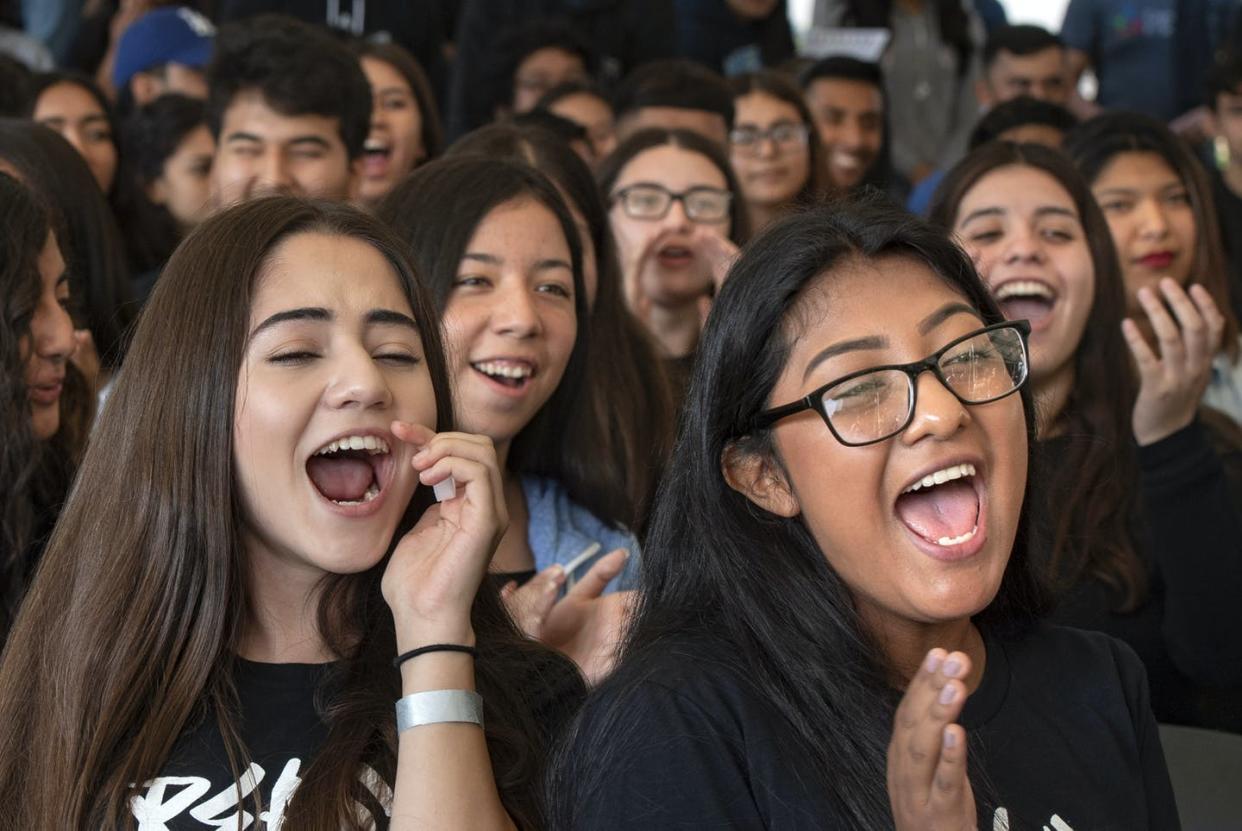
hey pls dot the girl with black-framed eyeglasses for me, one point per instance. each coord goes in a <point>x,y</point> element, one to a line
<point>846,634</point>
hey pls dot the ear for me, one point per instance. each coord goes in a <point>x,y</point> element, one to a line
<point>982,94</point>
<point>145,88</point>
<point>759,477</point>
<point>156,191</point>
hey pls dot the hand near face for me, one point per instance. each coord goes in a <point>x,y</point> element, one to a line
<point>1172,382</point>
<point>585,624</point>
<point>717,251</point>
<point>927,783</point>
<point>435,570</point>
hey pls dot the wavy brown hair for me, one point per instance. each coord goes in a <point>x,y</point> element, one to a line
<point>34,474</point>
<point>1085,497</point>
<point>129,631</point>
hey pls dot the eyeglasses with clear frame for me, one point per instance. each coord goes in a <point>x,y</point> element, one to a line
<point>785,136</point>
<point>647,200</point>
<point>875,404</point>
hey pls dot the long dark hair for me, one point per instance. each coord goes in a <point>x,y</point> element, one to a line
<point>92,244</point>
<point>436,211</point>
<point>1096,142</point>
<point>625,431</point>
<point>128,633</point>
<point>34,474</point>
<point>150,136</point>
<point>611,168</point>
<point>778,86</point>
<point>756,583</point>
<point>1086,497</point>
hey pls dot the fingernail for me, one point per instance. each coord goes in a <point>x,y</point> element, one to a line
<point>949,694</point>
<point>952,667</point>
<point>933,661</point>
<point>950,738</point>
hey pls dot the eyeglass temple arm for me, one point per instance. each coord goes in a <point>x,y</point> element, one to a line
<point>768,417</point>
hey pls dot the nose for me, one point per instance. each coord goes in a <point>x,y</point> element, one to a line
<point>514,313</point>
<point>676,219</point>
<point>850,134</point>
<point>273,174</point>
<point>1023,245</point>
<point>51,330</point>
<point>1153,224</point>
<point>765,147</point>
<point>357,381</point>
<point>937,412</point>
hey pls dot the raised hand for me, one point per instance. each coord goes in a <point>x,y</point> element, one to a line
<point>717,251</point>
<point>927,783</point>
<point>585,624</point>
<point>436,568</point>
<point>1172,382</point>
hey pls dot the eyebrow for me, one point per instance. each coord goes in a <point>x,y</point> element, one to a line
<point>375,317</point>
<point>1043,210</point>
<point>927,324</point>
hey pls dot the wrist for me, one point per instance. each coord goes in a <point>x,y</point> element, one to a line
<point>414,632</point>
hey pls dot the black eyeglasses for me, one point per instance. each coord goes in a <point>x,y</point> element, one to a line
<point>647,200</point>
<point>748,140</point>
<point>874,404</point>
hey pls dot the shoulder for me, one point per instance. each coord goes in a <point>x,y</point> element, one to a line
<point>559,530</point>
<point>1084,666</point>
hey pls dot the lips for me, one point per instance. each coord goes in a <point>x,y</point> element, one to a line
<point>1030,299</point>
<point>675,256</point>
<point>1157,260</point>
<point>943,511</point>
<point>351,472</point>
<point>46,393</point>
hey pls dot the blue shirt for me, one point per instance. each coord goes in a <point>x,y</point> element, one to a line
<point>1131,46</point>
<point>559,530</point>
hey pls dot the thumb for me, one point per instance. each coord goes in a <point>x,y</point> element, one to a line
<point>601,574</point>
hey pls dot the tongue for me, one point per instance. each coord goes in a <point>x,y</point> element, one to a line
<point>340,478</point>
<point>1033,309</point>
<point>948,510</point>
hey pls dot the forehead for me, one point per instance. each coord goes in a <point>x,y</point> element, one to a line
<point>315,269</point>
<point>250,113</point>
<point>763,107</point>
<point>1136,170</point>
<point>674,167</point>
<point>1017,188</point>
<point>382,75</point>
<point>518,229</point>
<point>844,94</point>
<point>855,299</point>
<point>66,96</point>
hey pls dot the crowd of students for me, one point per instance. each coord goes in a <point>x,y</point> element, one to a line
<point>684,436</point>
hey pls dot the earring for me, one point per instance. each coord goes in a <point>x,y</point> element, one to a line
<point>1220,152</point>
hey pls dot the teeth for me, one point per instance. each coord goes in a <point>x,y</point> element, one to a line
<point>967,537</point>
<point>939,477</point>
<point>504,370</point>
<point>372,444</point>
<point>1024,288</point>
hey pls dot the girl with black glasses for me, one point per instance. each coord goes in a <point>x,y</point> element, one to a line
<point>843,521</point>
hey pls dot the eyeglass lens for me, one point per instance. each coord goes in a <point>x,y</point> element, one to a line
<point>654,202</point>
<point>876,405</point>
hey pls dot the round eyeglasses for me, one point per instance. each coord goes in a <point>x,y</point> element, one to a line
<point>647,200</point>
<point>749,140</point>
<point>874,404</point>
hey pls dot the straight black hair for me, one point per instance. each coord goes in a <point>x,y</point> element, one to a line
<point>717,566</point>
<point>674,82</point>
<point>1017,112</point>
<point>1022,40</point>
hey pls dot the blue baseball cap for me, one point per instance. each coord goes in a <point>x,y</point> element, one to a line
<point>169,35</point>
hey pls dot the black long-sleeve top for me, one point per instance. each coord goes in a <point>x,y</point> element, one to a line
<point>1188,630</point>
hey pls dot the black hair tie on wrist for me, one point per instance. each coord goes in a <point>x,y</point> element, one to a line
<point>434,647</point>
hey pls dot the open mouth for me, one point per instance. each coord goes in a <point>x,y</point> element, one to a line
<point>351,470</point>
<point>674,256</point>
<point>1031,300</point>
<point>943,508</point>
<point>514,375</point>
<point>375,157</point>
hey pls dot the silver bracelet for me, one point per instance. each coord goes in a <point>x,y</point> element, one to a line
<point>439,707</point>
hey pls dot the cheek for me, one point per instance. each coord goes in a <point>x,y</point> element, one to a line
<point>632,233</point>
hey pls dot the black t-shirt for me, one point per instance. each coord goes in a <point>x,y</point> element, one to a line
<point>282,732</point>
<point>1060,725</point>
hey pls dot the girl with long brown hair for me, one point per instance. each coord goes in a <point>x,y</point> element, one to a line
<point>250,543</point>
<point>1143,541</point>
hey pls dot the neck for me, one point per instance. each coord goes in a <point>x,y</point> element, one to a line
<point>281,623</point>
<point>1051,395</point>
<point>676,328</point>
<point>906,643</point>
<point>1233,178</point>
